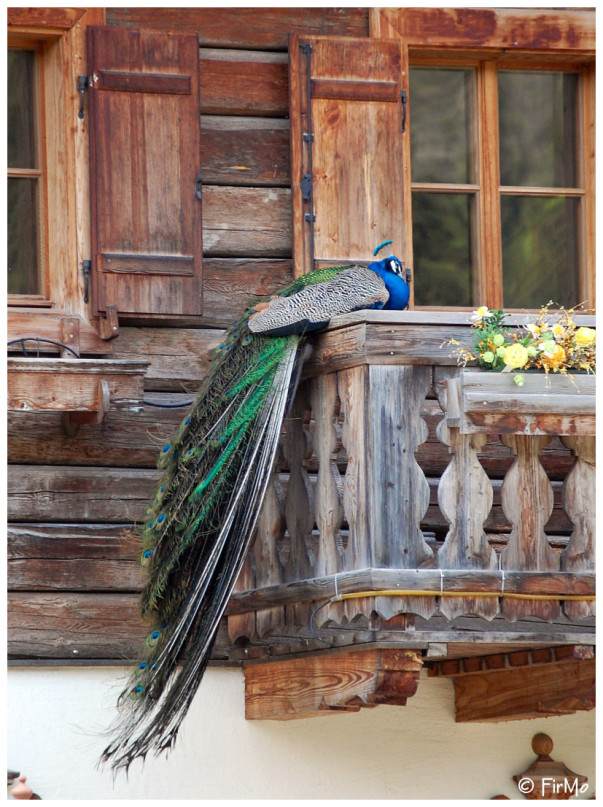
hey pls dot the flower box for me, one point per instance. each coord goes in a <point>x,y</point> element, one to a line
<point>547,403</point>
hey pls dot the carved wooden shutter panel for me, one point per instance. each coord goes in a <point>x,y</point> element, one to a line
<point>145,159</point>
<point>349,139</point>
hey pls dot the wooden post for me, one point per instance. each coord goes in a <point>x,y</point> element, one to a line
<point>386,493</point>
<point>527,499</point>
<point>579,502</point>
<point>465,498</point>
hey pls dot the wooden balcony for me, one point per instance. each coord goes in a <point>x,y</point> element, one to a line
<point>342,558</point>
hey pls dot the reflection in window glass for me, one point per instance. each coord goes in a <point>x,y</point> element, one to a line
<point>442,248</point>
<point>22,236</point>
<point>537,128</point>
<point>442,111</point>
<point>539,245</point>
<point>20,118</point>
<point>24,181</point>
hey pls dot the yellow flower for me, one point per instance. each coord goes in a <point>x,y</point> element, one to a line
<point>553,358</point>
<point>558,330</point>
<point>533,328</point>
<point>515,356</point>
<point>585,336</point>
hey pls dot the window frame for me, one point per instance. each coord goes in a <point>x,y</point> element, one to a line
<point>486,235</point>
<point>36,44</point>
<point>541,38</point>
<point>63,34</point>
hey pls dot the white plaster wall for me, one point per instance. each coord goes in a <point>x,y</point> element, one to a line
<point>411,752</point>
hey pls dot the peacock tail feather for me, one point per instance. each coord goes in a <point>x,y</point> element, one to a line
<point>193,543</point>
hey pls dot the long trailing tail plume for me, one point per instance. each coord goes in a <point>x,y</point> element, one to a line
<point>216,469</point>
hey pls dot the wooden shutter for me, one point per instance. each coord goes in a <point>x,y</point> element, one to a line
<point>145,160</point>
<point>346,134</point>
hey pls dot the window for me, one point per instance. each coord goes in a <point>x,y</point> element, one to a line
<point>26,177</point>
<point>497,185</point>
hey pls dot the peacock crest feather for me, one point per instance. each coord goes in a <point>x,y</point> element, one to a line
<point>216,469</point>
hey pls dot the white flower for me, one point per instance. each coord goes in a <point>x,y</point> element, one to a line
<point>483,312</point>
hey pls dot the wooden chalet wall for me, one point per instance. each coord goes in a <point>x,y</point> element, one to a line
<point>72,578</point>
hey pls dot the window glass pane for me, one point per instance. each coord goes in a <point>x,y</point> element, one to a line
<point>21,109</point>
<point>537,128</point>
<point>540,255</point>
<point>442,248</point>
<point>22,236</point>
<point>442,114</point>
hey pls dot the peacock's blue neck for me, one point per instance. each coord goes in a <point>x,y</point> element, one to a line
<point>399,292</point>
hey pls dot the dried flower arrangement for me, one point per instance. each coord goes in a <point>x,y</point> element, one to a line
<point>551,343</point>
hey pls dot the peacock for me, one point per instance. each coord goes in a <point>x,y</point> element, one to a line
<point>216,469</point>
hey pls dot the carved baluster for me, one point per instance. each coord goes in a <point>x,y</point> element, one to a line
<point>465,498</point>
<point>269,569</point>
<point>579,504</point>
<point>244,625</point>
<point>328,493</point>
<point>299,507</point>
<point>527,500</point>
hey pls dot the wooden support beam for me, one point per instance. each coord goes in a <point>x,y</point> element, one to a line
<point>318,685</point>
<point>520,693</point>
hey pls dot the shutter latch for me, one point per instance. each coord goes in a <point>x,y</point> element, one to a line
<point>82,84</point>
<point>86,269</point>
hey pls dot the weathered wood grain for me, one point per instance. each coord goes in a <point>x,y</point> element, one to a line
<point>245,151</point>
<point>133,438</point>
<point>318,685</point>
<point>120,495</point>
<point>553,30</point>
<point>24,323</point>
<point>452,581</point>
<point>356,135</point>
<point>580,502</point>
<point>527,500</point>
<point>58,494</point>
<point>179,358</point>
<point>243,82</point>
<point>526,692</point>
<point>74,626</point>
<point>73,385</point>
<point>63,557</point>
<point>328,494</point>
<point>465,499</point>
<point>246,222</point>
<point>245,27</point>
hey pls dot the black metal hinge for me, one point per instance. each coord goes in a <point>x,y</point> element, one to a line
<point>403,98</point>
<point>82,84</point>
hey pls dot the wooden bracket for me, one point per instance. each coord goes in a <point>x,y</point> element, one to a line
<point>109,325</point>
<point>537,682</point>
<point>71,421</point>
<point>334,682</point>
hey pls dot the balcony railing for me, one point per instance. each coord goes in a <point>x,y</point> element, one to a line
<point>360,531</point>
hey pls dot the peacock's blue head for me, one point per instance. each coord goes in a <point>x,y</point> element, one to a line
<point>394,265</point>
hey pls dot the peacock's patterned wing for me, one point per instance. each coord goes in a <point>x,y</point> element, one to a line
<point>313,306</point>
